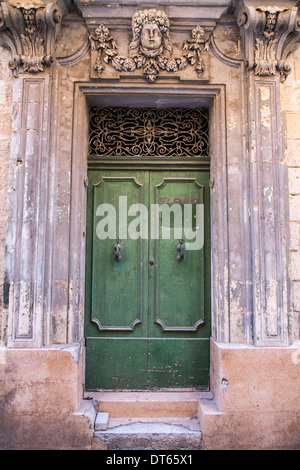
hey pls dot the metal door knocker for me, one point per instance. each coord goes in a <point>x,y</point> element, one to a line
<point>180,248</point>
<point>117,250</point>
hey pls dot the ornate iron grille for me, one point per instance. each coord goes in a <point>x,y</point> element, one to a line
<point>148,132</point>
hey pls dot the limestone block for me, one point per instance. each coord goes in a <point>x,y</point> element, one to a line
<point>40,392</point>
<point>295,208</point>
<point>263,431</point>
<point>296,296</point>
<point>293,125</point>
<point>255,379</point>
<point>295,266</point>
<point>294,180</point>
<point>292,153</point>
<point>150,435</point>
<point>295,236</point>
<point>256,393</point>
<point>101,421</point>
<point>290,97</point>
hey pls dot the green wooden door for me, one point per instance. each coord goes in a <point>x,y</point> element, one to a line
<point>148,314</point>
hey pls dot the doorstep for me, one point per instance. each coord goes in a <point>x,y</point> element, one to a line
<point>164,420</point>
<point>148,404</point>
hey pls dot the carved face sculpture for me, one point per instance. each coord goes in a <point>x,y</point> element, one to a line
<point>150,30</point>
<point>151,36</point>
<point>271,22</point>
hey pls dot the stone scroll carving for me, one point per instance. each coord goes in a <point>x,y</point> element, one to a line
<point>28,29</point>
<point>270,33</point>
<point>150,48</point>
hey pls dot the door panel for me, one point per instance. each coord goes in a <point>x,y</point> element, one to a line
<point>148,315</point>
<point>116,300</point>
<point>178,296</point>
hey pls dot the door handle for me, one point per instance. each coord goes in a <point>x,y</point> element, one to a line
<point>117,250</point>
<point>180,248</point>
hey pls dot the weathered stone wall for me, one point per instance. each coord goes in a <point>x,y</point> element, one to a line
<point>5,131</point>
<point>41,404</point>
<point>256,398</point>
<point>290,102</point>
<point>43,386</point>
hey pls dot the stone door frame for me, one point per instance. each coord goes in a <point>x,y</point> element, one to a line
<point>90,94</point>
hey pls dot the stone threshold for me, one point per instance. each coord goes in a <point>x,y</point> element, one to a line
<point>191,424</point>
<point>149,404</point>
<point>151,434</point>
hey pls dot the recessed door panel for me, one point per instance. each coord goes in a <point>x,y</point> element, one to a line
<point>117,284</point>
<point>179,253</point>
<point>148,312</point>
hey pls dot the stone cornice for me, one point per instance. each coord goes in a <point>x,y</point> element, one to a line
<point>28,29</point>
<point>269,34</point>
<point>182,13</point>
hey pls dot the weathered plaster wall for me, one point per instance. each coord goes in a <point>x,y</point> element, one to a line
<point>5,131</point>
<point>41,403</point>
<point>290,102</point>
<point>256,398</point>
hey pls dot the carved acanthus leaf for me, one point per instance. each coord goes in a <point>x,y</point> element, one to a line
<point>28,29</point>
<point>268,34</point>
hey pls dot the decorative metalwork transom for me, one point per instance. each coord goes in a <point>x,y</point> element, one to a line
<point>148,132</point>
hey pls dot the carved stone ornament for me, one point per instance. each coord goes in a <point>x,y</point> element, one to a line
<point>150,47</point>
<point>28,29</point>
<point>270,34</point>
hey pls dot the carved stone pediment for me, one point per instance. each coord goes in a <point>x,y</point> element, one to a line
<point>28,28</point>
<point>150,48</point>
<point>269,34</point>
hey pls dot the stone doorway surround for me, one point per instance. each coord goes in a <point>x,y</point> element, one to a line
<point>254,361</point>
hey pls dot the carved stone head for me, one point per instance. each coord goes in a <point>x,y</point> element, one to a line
<point>150,29</point>
<point>271,19</point>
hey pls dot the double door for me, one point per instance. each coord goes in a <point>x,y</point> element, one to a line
<point>147,322</point>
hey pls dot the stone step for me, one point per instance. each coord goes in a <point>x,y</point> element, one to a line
<point>148,404</point>
<point>151,434</point>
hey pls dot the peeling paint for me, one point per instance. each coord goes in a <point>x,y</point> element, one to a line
<point>225,384</point>
<point>266,115</point>
<point>234,287</point>
<point>232,121</point>
<point>272,308</point>
<point>284,158</point>
<point>264,93</point>
<point>268,193</point>
<point>24,328</point>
